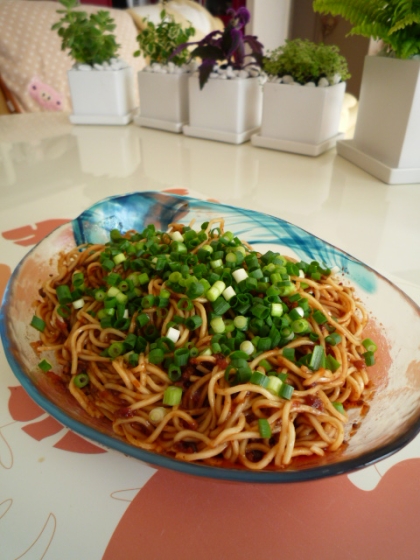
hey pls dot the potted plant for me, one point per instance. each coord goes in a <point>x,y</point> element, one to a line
<point>163,83</point>
<point>387,135</point>
<point>302,98</point>
<point>101,85</point>
<point>225,94</point>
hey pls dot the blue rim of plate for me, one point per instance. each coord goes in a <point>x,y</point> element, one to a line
<point>162,461</point>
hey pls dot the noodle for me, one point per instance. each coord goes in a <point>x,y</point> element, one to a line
<point>193,344</point>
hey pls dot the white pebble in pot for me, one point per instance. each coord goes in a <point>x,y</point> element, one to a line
<point>323,82</point>
<point>288,79</point>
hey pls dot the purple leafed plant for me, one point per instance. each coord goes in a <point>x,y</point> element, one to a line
<point>227,46</point>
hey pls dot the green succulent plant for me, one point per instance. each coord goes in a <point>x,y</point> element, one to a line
<point>306,61</point>
<point>395,22</point>
<point>89,38</point>
<point>158,42</point>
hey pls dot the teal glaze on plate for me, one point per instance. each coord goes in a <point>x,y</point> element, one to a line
<point>139,209</point>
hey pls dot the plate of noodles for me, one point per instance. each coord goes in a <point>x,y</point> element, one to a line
<point>214,340</point>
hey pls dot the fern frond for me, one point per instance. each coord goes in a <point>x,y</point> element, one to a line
<point>396,22</point>
<point>407,20</point>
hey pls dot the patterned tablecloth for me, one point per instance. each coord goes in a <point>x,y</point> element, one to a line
<point>62,497</point>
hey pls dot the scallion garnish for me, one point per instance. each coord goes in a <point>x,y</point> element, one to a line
<point>38,323</point>
<point>264,428</point>
<point>286,391</point>
<point>81,380</point>
<point>44,365</point>
<point>369,345</point>
<point>369,358</point>
<point>172,396</point>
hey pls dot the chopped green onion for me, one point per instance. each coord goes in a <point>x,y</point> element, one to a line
<point>216,290</point>
<point>174,372</point>
<point>81,380</point>
<point>264,428</point>
<point>156,356</point>
<point>143,278</point>
<point>260,379</point>
<point>274,385</point>
<point>44,365</point>
<point>339,407</point>
<point>319,317</point>
<point>77,279</point>
<point>369,345</point>
<point>118,259</point>
<point>239,355</point>
<point>247,347</point>
<point>296,313</point>
<point>113,279</point>
<point>289,354</point>
<point>239,275</point>
<point>264,344</point>
<point>130,341</point>
<point>333,339</point>
<point>63,294</point>
<point>100,294</point>
<point>316,358</point>
<point>229,293</point>
<point>64,311</point>
<point>156,415</point>
<point>116,349</point>
<point>143,319</point>
<point>194,352</point>
<point>78,303</point>
<point>148,301</point>
<point>115,234</point>
<point>112,292</point>
<point>241,322</point>
<point>38,323</point>
<point>286,391</point>
<point>331,363</point>
<point>177,236</point>
<point>195,290</point>
<point>299,326</point>
<point>218,325</point>
<point>276,309</point>
<point>260,311</point>
<point>266,365</point>
<point>193,322</point>
<point>185,304</point>
<point>220,306</point>
<point>369,358</point>
<point>172,396</point>
<point>181,356</point>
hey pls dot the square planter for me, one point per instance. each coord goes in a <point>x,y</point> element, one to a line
<point>386,140</point>
<point>163,100</point>
<point>300,119</point>
<point>224,110</point>
<point>101,96</point>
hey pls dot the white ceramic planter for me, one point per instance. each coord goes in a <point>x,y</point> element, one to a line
<point>102,96</point>
<point>163,100</point>
<point>224,110</point>
<point>300,119</point>
<point>386,141</point>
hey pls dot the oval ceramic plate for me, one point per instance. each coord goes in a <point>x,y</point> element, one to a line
<point>393,418</point>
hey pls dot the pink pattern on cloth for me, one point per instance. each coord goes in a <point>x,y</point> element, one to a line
<point>46,96</point>
<point>194,517</point>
